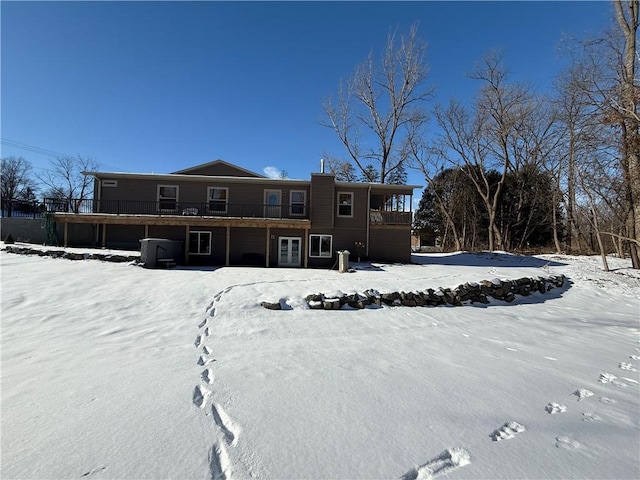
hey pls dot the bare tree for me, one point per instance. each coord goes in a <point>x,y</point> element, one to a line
<point>629,119</point>
<point>343,171</point>
<point>612,89</point>
<point>16,182</point>
<point>487,139</point>
<point>66,181</point>
<point>383,105</point>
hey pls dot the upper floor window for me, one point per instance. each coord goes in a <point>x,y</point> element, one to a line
<point>218,198</point>
<point>298,202</point>
<point>168,198</point>
<point>345,204</point>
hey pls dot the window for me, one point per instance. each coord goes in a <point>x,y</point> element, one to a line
<point>320,245</point>
<point>218,197</point>
<point>199,243</point>
<point>298,202</point>
<point>168,198</point>
<point>345,204</point>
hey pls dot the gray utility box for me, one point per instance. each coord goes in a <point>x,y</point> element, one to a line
<point>343,261</point>
<point>160,252</point>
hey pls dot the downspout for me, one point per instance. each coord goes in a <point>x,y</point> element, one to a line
<point>368,221</point>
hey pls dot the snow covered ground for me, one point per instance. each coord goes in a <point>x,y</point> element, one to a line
<point>115,371</point>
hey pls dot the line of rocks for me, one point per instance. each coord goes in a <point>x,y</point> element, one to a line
<point>105,257</point>
<point>467,293</point>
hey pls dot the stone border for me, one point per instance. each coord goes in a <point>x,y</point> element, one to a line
<point>105,257</point>
<point>467,293</point>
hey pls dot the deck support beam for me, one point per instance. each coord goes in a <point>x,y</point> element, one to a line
<point>267,247</point>
<point>227,247</point>
<point>186,244</point>
<point>306,247</point>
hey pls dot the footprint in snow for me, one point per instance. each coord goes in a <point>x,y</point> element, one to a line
<point>607,400</point>
<point>207,332</point>
<point>582,393</point>
<point>606,377</point>
<point>198,341</point>
<point>202,361</point>
<point>590,417</point>
<point>627,366</point>
<point>219,465</point>
<point>634,357</point>
<point>212,312</point>
<point>566,443</point>
<point>206,350</point>
<point>448,460</point>
<point>506,431</point>
<point>224,422</point>
<point>200,396</point>
<point>207,376</point>
<point>619,383</point>
<point>554,408</point>
<point>202,323</point>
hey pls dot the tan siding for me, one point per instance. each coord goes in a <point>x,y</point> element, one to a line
<point>322,200</point>
<point>168,232</point>
<point>124,236</point>
<point>243,199</point>
<point>247,241</point>
<point>390,245</point>
<point>360,210</point>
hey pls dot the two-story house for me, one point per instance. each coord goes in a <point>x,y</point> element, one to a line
<point>226,215</point>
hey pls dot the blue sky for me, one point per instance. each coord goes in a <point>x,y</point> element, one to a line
<point>162,86</point>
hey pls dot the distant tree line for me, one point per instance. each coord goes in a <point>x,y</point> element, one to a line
<point>22,190</point>
<point>512,169</point>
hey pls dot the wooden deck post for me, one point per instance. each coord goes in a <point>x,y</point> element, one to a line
<point>186,244</point>
<point>66,229</point>
<point>267,246</point>
<point>146,230</point>
<point>306,247</point>
<point>228,246</point>
<point>104,235</point>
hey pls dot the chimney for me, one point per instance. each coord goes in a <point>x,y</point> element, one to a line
<point>322,165</point>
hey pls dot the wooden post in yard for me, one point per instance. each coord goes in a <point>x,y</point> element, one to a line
<point>267,246</point>
<point>228,246</point>
<point>104,235</point>
<point>66,229</point>
<point>306,247</point>
<point>186,244</point>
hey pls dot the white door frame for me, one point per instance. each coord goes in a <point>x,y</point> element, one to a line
<point>290,260</point>
<point>271,210</point>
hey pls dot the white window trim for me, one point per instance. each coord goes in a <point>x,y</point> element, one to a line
<point>209,199</point>
<point>320,255</point>
<point>338,203</point>
<point>304,203</point>
<point>168,198</point>
<point>198,232</point>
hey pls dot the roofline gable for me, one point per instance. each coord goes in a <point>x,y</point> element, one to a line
<point>186,171</point>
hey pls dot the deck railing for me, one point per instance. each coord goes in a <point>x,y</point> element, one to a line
<point>171,207</point>
<point>209,209</point>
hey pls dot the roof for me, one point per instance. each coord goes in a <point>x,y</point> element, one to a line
<point>210,168</point>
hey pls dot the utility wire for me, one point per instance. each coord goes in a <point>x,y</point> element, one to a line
<point>31,148</point>
<point>43,151</point>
